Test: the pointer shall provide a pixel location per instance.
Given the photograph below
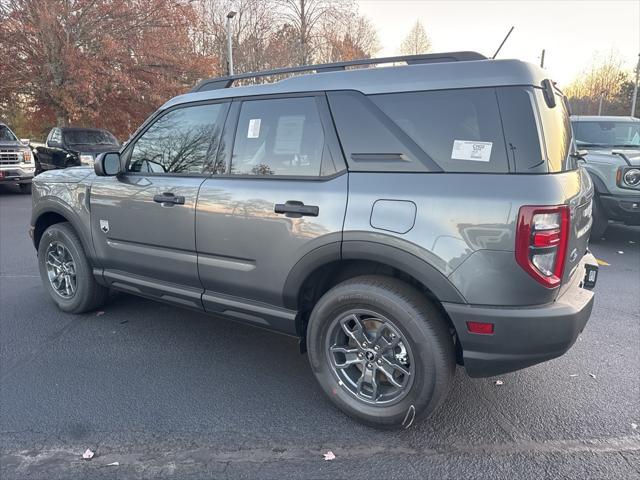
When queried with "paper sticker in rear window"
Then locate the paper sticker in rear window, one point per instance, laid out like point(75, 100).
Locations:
point(254, 128)
point(471, 150)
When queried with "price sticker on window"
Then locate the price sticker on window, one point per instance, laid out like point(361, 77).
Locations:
point(471, 150)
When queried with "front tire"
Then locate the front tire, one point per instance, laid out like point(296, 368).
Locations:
point(600, 220)
point(66, 272)
point(381, 351)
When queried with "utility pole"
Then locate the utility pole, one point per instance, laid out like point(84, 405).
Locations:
point(634, 97)
point(230, 15)
point(600, 105)
point(542, 59)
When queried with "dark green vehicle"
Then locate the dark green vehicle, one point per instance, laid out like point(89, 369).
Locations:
point(397, 220)
point(613, 162)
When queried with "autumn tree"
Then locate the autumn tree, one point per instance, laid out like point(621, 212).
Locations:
point(416, 41)
point(104, 63)
point(604, 79)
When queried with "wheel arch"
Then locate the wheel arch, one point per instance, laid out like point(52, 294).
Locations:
point(325, 267)
point(43, 218)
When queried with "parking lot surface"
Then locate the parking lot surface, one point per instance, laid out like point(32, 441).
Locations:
point(170, 393)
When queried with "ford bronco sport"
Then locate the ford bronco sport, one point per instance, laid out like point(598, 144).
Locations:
point(397, 220)
point(613, 161)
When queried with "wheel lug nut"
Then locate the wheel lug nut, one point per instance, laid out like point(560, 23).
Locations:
point(376, 348)
point(379, 362)
point(369, 365)
point(393, 335)
point(364, 344)
point(360, 355)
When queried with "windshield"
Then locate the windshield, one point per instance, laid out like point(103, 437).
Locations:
point(607, 134)
point(6, 135)
point(89, 137)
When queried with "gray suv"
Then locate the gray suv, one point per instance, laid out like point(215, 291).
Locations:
point(397, 220)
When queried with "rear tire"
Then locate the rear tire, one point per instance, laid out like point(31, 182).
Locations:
point(66, 272)
point(422, 362)
point(600, 220)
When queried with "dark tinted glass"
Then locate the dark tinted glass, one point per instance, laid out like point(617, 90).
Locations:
point(89, 137)
point(6, 135)
point(521, 130)
point(556, 130)
point(182, 141)
point(279, 137)
point(459, 129)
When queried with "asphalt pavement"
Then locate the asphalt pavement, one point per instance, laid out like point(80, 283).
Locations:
point(170, 393)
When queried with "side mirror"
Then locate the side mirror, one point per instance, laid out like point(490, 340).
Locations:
point(579, 155)
point(26, 141)
point(107, 164)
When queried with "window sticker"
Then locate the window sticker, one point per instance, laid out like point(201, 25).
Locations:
point(471, 150)
point(254, 128)
point(289, 134)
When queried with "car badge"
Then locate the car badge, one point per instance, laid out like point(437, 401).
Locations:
point(104, 226)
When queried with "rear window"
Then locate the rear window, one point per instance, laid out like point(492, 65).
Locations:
point(89, 137)
point(459, 129)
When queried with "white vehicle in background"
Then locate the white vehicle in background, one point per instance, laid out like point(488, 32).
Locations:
point(16, 160)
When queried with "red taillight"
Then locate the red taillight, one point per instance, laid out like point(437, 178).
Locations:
point(541, 242)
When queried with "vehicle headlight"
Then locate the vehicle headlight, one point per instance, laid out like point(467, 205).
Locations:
point(631, 177)
point(26, 156)
point(86, 159)
point(20, 156)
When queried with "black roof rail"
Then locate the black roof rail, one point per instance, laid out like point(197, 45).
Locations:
point(226, 82)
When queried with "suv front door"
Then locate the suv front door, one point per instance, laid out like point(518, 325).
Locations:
point(143, 220)
point(282, 197)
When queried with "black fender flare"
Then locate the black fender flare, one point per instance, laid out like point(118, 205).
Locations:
point(53, 205)
point(598, 184)
point(397, 258)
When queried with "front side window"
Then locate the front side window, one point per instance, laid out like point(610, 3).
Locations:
point(183, 141)
point(279, 137)
point(604, 133)
point(56, 136)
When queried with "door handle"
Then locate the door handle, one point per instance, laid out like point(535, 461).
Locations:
point(296, 209)
point(168, 197)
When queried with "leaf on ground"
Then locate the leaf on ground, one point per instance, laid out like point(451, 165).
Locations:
point(499, 382)
point(620, 252)
point(100, 313)
point(329, 455)
point(573, 375)
point(592, 375)
point(113, 464)
point(634, 425)
point(88, 454)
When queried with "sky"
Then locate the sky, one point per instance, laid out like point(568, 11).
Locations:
point(571, 31)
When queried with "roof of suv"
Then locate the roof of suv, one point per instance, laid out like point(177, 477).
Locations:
point(428, 76)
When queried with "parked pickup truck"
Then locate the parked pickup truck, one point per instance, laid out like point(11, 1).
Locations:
point(71, 146)
point(16, 162)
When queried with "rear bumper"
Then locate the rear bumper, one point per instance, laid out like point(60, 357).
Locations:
point(523, 336)
point(624, 208)
point(16, 173)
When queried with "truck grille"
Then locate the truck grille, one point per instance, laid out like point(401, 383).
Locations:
point(8, 157)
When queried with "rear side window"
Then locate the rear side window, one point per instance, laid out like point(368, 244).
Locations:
point(281, 137)
point(459, 129)
point(556, 131)
point(524, 147)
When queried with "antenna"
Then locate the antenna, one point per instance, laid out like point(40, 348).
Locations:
point(500, 47)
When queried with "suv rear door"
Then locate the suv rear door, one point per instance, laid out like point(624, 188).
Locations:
point(143, 221)
point(278, 192)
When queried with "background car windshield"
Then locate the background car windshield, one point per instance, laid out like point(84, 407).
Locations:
point(89, 137)
point(6, 135)
point(607, 134)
